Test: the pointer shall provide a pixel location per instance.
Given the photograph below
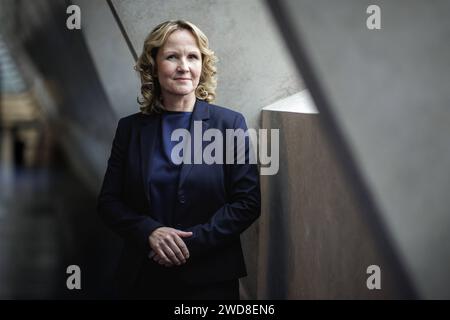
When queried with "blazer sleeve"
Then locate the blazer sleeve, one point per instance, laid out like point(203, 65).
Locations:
point(240, 211)
point(129, 224)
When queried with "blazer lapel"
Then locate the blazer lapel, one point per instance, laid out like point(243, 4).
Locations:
point(200, 113)
point(149, 133)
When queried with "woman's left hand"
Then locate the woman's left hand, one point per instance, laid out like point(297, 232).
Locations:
point(158, 259)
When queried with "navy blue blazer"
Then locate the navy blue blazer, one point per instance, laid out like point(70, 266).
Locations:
point(216, 202)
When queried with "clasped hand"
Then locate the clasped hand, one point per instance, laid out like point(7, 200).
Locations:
point(168, 246)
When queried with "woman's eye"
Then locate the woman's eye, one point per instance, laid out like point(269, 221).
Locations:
point(171, 57)
point(193, 56)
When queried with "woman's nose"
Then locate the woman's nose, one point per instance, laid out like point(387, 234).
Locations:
point(182, 66)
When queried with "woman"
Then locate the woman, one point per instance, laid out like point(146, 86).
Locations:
point(180, 222)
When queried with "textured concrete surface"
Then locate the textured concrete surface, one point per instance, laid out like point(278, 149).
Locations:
point(314, 242)
point(388, 91)
point(112, 59)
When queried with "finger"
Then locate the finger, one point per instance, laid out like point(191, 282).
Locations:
point(176, 250)
point(184, 234)
point(177, 247)
point(160, 261)
point(162, 255)
point(169, 252)
point(182, 246)
point(164, 263)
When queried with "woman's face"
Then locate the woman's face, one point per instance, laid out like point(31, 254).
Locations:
point(179, 64)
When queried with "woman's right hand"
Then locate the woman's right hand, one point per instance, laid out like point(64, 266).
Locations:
point(170, 249)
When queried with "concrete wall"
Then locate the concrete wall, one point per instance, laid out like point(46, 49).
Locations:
point(387, 92)
point(112, 59)
point(314, 241)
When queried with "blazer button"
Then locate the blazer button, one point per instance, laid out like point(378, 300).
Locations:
point(182, 198)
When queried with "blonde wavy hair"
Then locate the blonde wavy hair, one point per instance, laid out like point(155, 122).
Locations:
point(146, 65)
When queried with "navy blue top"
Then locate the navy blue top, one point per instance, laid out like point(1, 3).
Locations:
point(164, 173)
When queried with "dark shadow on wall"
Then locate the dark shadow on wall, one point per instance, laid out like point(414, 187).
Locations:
point(62, 59)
